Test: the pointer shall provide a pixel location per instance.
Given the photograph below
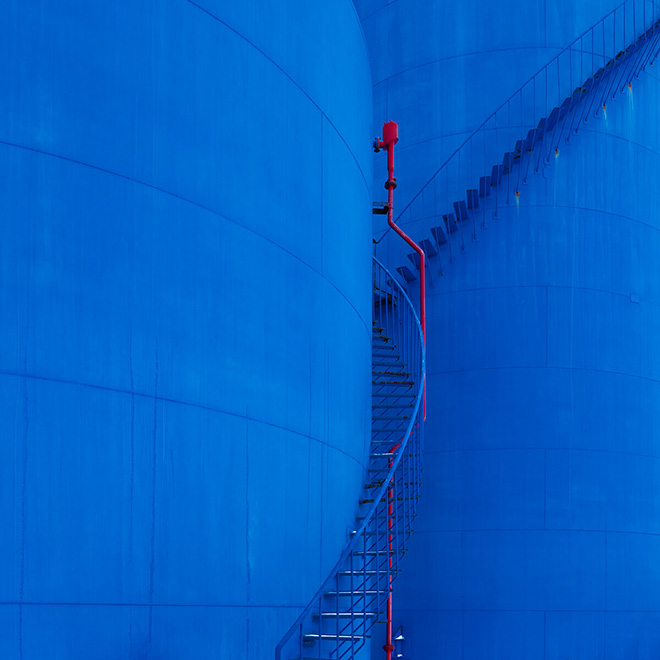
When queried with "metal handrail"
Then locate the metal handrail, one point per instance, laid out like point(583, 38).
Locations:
point(380, 493)
point(553, 85)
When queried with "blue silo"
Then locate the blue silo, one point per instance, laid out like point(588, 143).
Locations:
point(185, 320)
point(539, 527)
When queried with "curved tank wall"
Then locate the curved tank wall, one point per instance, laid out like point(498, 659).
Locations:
point(538, 532)
point(184, 320)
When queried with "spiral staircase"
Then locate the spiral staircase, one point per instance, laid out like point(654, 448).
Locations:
point(337, 622)
point(475, 182)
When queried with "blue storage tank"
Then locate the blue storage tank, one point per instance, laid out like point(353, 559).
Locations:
point(185, 320)
point(539, 527)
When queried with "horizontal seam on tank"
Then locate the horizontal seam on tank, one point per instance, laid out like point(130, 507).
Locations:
point(198, 205)
point(485, 52)
point(515, 128)
point(591, 210)
point(651, 73)
point(551, 286)
point(530, 610)
point(561, 206)
point(180, 402)
point(388, 3)
point(531, 529)
point(186, 605)
point(472, 53)
point(613, 136)
point(547, 368)
point(276, 65)
point(537, 449)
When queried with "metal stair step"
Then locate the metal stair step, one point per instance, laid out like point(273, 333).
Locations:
point(370, 572)
point(392, 405)
point(460, 209)
point(395, 395)
point(484, 186)
point(313, 637)
point(406, 273)
point(387, 500)
point(357, 593)
point(439, 234)
point(373, 553)
point(450, 223)
point(429, 248)
point(345, 614)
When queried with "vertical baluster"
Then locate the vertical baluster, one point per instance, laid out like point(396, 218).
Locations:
point(508, 146)
point(454, 197)
point(554, 131)
point(570, 100)
point(469, 178)
point(608, 71)
point(486, 191)
point(522, 146)
point(351, 589)
point(541, 140)
point(597, 83)
point(642, 55)
point(448, 223)
point(300, 641)
point(593, 52)
point(650, 48)
point(636, 59)
point(376, 562)
point(531, 146)
point(336, 619)
point(497, 171)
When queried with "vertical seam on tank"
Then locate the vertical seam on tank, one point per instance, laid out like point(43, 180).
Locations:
point(21, 583)
point(132, 480)
point(545, 487)
point(547, 326)
point(545, 617)
point(322, 204)
point(152, 540)
point(247, 535)
point(387, 97)
point(323, 463)
point(606, 572)
point(24, 448)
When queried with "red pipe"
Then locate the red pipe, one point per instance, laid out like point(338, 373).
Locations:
point(389, 647)
point(390, 138)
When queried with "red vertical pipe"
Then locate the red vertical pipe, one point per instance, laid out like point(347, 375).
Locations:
point(389, 647)
point(390, 138)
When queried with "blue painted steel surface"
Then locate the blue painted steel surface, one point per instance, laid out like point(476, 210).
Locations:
point(185, 322)
point(538, 531)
